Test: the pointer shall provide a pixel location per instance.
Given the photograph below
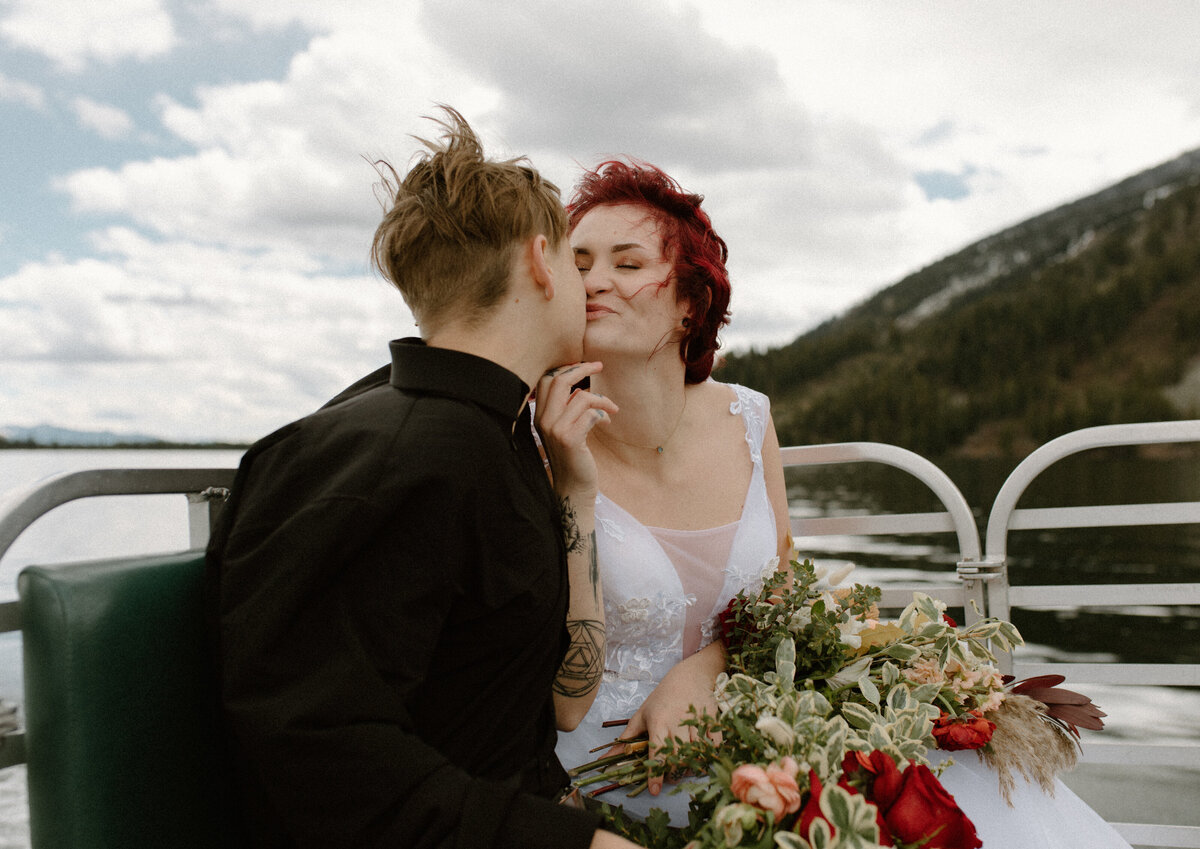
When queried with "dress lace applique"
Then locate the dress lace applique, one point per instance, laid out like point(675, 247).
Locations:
point(751, 580)
point(611, 528)
point(644, 635)
point(755, 417)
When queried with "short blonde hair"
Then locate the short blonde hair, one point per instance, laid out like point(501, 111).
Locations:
point(447, 239)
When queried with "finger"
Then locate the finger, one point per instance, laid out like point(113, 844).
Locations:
point(636, 726)
point(633, 729)
point(585, 410)
point(554, 389)
point(615, 749)
point(654, 783)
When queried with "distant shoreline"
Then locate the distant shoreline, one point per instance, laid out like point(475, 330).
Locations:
point(124, 446)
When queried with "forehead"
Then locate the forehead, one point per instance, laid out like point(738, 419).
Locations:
point(621, 224)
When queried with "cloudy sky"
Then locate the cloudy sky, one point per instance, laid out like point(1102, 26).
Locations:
point(187, 200)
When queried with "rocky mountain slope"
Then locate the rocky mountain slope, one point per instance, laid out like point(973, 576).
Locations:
point(1087, 314)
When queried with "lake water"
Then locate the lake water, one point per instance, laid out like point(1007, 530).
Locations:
point(143, 524)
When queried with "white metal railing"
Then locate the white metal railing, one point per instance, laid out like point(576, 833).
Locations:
point(23, 507)
point(981, 578)
point(969, 585)
point(205, 490)
point(1005, 518)
point(985, 578)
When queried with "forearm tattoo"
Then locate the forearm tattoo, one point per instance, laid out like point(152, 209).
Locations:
point(594, 568)
point(583, 666)
point(570, 527)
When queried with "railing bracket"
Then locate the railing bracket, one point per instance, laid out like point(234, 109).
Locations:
point(979, 570)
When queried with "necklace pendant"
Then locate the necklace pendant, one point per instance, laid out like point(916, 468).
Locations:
point(660, 449)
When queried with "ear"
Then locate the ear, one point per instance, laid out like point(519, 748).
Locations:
point(539, 265)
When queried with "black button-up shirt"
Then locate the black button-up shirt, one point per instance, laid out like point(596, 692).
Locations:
point(392, 591)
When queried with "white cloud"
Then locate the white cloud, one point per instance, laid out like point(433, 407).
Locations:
point(283, 164)
point(72, 33)
point(229, 344)
point(108, 121)
point(626, 77)
point(19, 91)
point(239, 288)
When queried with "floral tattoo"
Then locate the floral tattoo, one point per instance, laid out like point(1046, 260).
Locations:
point(570, 527)
point(576, 544)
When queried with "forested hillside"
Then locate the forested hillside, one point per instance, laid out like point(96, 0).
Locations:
point(1086, 315)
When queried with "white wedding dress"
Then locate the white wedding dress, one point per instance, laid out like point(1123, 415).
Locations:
point(663, 590)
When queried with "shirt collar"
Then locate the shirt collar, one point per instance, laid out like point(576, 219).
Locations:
point(441, 371)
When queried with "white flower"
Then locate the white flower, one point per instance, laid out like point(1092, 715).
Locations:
point(733, 820)
point(800, 620)
point(850, 632)
point(776, 729)
point(850, 674)
point(829, 577)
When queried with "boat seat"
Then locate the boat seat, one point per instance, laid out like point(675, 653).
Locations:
point(120, 702)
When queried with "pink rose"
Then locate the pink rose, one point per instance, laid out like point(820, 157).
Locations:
point(773, 789)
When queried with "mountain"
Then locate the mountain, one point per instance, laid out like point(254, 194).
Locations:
point(49, 435)
point(1087, 314)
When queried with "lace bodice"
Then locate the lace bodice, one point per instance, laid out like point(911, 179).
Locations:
point(650, 617)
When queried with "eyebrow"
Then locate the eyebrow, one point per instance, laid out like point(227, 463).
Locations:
point(616, 249)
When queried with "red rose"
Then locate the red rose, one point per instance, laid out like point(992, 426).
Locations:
point(915, 805)
point(873, 764)
point(812, 808)
point(949, 620)
point(729, 628)
point(968, 731)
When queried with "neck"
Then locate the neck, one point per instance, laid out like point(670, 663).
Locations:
point(495, 340)
point(651, 397)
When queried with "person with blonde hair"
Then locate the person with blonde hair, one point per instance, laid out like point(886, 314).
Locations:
point(402, 601)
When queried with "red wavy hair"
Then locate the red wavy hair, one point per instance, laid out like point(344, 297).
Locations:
point(698, 253)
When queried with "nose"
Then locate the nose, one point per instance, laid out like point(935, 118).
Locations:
point(596, 282)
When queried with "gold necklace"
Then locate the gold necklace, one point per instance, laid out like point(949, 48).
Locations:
point(658, 448)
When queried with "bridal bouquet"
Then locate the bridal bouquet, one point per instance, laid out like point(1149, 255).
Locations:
point(825, 717)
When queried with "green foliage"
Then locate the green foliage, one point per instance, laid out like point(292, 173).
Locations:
point(874, 687)
point(1085, 315)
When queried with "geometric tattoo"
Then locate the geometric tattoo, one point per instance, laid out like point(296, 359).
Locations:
point(583, 665)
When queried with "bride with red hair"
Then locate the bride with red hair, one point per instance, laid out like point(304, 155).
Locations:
point(692, 505)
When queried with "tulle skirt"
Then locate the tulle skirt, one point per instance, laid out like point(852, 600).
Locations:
point(1035, 820)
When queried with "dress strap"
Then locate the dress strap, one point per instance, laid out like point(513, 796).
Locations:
point(754, 408)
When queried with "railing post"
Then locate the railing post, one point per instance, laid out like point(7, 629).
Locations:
point(986, 584)
point(203, 509)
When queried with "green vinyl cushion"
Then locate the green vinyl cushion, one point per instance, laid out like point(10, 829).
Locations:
point(121, 733)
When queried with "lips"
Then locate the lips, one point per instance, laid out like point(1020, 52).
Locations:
point(597, 311)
